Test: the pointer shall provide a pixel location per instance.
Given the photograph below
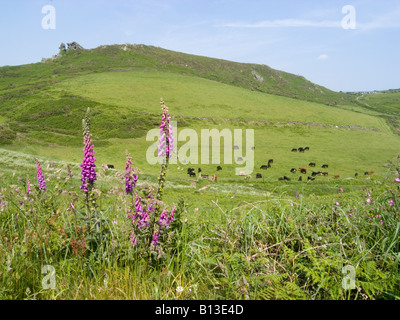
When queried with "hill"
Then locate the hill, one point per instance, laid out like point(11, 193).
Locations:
point(42, 104)
point(140, 57)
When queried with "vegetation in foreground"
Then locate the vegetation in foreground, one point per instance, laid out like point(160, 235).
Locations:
point(64, 238)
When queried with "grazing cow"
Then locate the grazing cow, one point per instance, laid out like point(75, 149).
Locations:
point(110, 166)
point(294, 150)
point(293, 170)
point(258, 175)
point(286, 178)
point(336, 176)
point(310, 179)
point(366, 173)
point(371, 172)
point(324, 166)
point(301, 149)
point(190, 170)
point(306, 148)
point(356, 174)
point(314, 173)
point(300, 178)
point(303, 170)
point(325, 173)
point(219, 168)
point(214, 177)
point(191, 174)
point(312, 164)
point(280, 179)
point(264, 167)
point(199, 170)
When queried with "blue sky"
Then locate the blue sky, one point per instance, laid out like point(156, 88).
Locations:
point(297, 36)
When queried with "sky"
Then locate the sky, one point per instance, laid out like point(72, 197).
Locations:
point(351, 45)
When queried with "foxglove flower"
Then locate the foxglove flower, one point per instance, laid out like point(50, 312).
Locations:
point(88, 166)
point(166, 141)
point(154, 241)
point(130, 176)
point(40, 176)
point(28, 187)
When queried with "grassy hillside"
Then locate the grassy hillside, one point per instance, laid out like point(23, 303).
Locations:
point(139, 57)
point(41, 107)
point(386, 104)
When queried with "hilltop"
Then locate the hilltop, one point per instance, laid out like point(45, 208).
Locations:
point(129, 57)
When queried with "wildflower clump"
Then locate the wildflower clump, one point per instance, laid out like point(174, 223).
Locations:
point(130, 176)
point(88, 166)
point(40, 176)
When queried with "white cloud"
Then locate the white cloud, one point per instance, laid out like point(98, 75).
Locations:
point(323, 57)
point(284, 23)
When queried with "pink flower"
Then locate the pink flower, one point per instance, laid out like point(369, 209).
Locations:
point(40, 176)
point(340, 189)
point(369, 200)
point(391, 202)
point(337, 203)
point(397, 180)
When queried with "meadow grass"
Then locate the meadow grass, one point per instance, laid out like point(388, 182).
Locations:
point(232, 245)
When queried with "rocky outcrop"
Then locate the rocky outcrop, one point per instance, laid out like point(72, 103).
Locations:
point(257, 76)
point(74, 46)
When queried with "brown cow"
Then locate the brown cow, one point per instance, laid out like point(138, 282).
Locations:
point(336, 176)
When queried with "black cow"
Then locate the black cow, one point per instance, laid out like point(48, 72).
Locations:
point(286, 178)
point(314, 173)
point(293, 170)
point(300, 178)
point(303, 170)
point(309, 178)
point(110, 166)
point(356, 174)
point(366, 173)
point(294, 150)
point(312, 164)
point(191, 173)
point(306, 148)
point(301, 149)
point(258, 175)
point(324, 166)
point(264, 166)
point(280, 179)
point(270, 161)
point(219, 168)
point(199, 170)
point(189, 170)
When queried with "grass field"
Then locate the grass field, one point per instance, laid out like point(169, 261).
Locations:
point(239, 237)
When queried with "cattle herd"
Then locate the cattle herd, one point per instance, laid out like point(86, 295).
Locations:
point(311, 174)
